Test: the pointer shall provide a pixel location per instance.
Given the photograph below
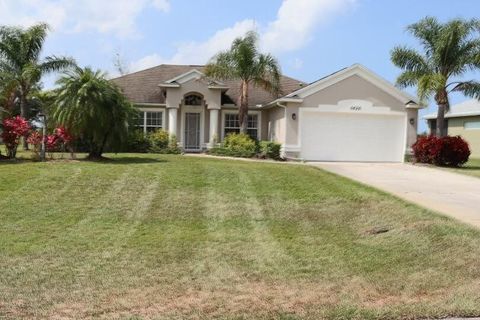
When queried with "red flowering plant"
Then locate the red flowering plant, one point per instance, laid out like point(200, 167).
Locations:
point(35, 139)
point(60, 140)
point(12, 130)
point(443, 151)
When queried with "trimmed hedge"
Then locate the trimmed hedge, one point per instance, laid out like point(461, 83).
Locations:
point(243, 146)
point(441, 151)
point(270, 150)
point(158, 141)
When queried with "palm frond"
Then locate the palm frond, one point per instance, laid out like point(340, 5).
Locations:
point(409, 60)
point(221, 66)
point(429, 85)
point(468, 88)
point(34, 38)
point(54, 63)
point(267, 74)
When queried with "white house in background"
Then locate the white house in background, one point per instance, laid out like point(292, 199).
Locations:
point(350, 115)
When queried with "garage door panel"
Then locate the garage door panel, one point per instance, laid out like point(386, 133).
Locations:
point(352, 137)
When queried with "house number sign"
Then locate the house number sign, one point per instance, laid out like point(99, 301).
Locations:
point(355, 108)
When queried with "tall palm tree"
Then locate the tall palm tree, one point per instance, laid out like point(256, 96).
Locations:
point(20, 57)
point(245, 63)
point(92, 108)
point(449, 50)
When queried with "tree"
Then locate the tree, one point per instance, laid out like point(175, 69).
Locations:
point(92, 108)
point(120, 65)
point(20, 59)
point(449, 51)
point(244, 62)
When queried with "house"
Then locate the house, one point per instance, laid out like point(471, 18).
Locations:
point(461, 120)
point(350, 115)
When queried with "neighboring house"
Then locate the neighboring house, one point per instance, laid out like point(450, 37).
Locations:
point(461, 120)
point(350, 115)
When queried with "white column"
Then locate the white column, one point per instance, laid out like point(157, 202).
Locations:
point(213, 127)
point(172, 121)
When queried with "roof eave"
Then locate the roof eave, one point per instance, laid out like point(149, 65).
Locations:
point(282, 100)
point(169, 85)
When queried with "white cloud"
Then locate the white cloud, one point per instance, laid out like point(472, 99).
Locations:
point(296, 21)
point(162, 5)
point(106, 16)
point(297, 64)
point(146, 62)
point(197, 52)
point(292, 29)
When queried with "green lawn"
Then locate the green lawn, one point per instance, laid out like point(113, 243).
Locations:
point(161, 237)
point(472, 168)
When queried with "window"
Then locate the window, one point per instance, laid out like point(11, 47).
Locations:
point(471, 125)
point(232, 125)
point(150, 120)
point(193, 100)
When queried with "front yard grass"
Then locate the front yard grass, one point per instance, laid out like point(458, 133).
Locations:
point(472, 168)
point(147, 236)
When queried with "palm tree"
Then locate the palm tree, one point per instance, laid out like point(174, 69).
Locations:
point(92, 108)
point(20, 51)
point(244, 62)
point(449, 51)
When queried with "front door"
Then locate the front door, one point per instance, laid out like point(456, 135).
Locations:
point(192, 131)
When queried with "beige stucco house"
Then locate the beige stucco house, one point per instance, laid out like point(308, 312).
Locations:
point(462, 120)
point(351, 115)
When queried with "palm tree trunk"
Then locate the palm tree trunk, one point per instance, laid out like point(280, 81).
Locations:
point(243, 110)
point(24, 114)
point(441, 129)
point(441, 98)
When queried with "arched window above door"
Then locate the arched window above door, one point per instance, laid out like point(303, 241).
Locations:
point(193, 100)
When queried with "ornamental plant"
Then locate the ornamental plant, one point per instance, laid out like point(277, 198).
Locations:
point(35, 139)
point(441, 151)
point(13, 130)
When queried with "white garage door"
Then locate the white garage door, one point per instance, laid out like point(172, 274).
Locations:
point(353, 137)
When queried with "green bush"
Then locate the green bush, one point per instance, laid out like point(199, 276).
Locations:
point(161, 142)
point(270, 150)
point(173, 145)
point(236, 145)
point(137, 142)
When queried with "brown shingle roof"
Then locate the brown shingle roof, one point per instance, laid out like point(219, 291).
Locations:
point(142, 86)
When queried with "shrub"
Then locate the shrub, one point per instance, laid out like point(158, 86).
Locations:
point(137, 142)
point(35, 139)
point(173, 145)
point(270, 150)
point(238, 145)
point(12, 130)
point(443, 151)
point(159, 140)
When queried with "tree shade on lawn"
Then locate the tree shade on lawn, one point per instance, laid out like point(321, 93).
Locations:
point(94, 109)
point(21, 63)
point(244, 62)
point(175, 237)
point(449, 50)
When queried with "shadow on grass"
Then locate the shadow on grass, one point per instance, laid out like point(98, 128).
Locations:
point(468, 168)
point(114, 160)
point(126, 160)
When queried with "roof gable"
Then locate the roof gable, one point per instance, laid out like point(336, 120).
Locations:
point(343, 74)
point(146, 86)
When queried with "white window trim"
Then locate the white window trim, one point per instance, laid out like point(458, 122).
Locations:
point(465, 125)
point(145, 110)
point(259, 122)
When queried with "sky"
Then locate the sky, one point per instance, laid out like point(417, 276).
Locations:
point(310, 38)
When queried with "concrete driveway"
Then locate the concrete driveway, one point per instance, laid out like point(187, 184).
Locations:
point(449, 193)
